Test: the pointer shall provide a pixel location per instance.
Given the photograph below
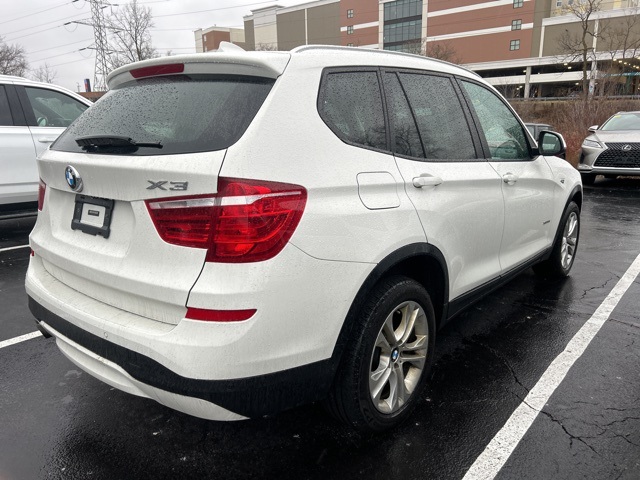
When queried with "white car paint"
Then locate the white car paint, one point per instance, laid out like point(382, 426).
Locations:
point(20, 145)
point(133, 289)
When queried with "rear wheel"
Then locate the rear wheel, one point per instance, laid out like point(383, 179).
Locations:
point(389, 357)
point(564, 251)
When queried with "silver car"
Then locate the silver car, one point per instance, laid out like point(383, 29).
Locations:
point(612, 149)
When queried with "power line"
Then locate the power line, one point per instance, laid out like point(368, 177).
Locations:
point(35, 13)
point(45, 23)
point(59, 46)
point(212, 9)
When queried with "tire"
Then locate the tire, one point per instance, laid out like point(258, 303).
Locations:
point(564, 251)
point(588, 178)
point(389, 357)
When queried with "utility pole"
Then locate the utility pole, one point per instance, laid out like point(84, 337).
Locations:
point(101, 68)
point(100, 38)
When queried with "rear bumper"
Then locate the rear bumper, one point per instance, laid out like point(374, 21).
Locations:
point(140, 375)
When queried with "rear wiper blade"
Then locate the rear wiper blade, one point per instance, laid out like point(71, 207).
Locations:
point(112, 141)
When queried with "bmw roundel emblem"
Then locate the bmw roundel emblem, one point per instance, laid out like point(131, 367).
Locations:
point(73, 178)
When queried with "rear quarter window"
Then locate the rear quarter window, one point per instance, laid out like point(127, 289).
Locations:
point(185, 114)
point(350, 104)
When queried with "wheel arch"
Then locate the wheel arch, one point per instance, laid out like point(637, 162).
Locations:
point(419, 261)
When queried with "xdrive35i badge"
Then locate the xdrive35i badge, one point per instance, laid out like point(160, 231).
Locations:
point(74, 180)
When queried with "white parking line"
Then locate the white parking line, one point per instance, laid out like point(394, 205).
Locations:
point(13, 248)
point(21, 338)
point(489, 463)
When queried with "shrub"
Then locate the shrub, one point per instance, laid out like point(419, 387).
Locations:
point(572, 118)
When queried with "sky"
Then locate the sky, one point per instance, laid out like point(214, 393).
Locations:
point(39, 27)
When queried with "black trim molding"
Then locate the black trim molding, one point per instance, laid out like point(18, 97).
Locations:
point(251, 397)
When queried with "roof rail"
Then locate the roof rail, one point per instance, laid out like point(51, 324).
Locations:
point(307, 48)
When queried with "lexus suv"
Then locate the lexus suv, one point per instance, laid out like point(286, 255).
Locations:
point(236, 233)
point(612, 149)
point(32, 115)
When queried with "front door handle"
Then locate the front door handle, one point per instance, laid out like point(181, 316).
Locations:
point(426, 180)
point(509, 178)
point(47, 139)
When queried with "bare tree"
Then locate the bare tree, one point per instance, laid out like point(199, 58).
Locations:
point(44, 73)
point(13, 60)
point(131, 37)
point(580, 45)
point(442, 51)
point(438, 50)
point(622, 43)
point(266, 47)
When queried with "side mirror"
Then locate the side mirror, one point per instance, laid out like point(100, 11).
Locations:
point(552, 144)
point(593, 128)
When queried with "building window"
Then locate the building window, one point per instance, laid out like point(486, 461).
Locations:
point(349, 44)
point(402, 9)
point(558, 3)
point(514, 45)
point(350, 13)
point(516, 25)
point(349, 29)
point(518, 3)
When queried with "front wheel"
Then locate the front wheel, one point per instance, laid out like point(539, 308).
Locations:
point(564, 250)
point(389, 357)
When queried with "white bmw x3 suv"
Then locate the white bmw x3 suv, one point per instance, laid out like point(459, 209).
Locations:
point(236, 233)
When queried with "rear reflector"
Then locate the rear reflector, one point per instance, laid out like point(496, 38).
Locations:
point(42, 188)
point(157, 70)
point(219, 315)
point(246, 221)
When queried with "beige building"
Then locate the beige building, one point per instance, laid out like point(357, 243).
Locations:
point(210, 38)
point(515, 44)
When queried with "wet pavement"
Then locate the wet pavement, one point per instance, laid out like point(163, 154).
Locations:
point(57, 422)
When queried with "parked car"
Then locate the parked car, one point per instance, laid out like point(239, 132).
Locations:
point(32, 115)
point(237, 233)
point(536, 128)
point(612, 149)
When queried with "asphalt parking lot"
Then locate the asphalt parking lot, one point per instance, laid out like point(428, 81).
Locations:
point(57, 422)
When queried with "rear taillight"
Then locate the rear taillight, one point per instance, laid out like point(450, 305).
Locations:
point(42, 188)
point(246, 221)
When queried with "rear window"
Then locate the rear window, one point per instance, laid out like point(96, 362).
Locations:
point(185, 114)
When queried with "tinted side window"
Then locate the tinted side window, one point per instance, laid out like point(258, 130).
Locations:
point(405, 139)
point(5, 113)
point(504, 134)
point(438, 112)
point(351, 105)
point(53, 109)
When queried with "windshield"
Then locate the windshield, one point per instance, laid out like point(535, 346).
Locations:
point(622, 121)
point(184, 114)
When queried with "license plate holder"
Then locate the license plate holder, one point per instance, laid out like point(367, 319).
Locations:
point(92, 215)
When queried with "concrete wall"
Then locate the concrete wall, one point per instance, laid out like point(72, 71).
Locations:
point(323, 25)
point(249, 37)
point(291, 30)
point(554, 33)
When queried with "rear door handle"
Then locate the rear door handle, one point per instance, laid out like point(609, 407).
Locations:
point(47, 139)
point(509, 178)
point(426, 180)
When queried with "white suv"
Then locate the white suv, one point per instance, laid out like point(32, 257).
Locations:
point(236, 233)
point(32, 115)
